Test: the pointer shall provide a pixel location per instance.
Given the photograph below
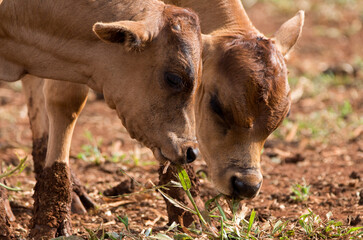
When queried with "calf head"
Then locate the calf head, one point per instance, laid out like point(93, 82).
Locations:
point(244, 96)
point(158, 71)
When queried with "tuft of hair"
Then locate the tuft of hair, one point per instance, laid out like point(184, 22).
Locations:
point(174, 14)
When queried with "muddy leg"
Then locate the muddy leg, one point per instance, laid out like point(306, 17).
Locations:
point(178, 193)
point(5, 231)
point(6, 215)
point(52, 203)
point(38, 118)
point(52, 198)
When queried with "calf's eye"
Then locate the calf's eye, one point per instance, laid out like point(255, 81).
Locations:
point(174, 80)
point(216, 106)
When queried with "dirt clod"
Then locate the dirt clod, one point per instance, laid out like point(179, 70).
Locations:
point(361, 198)
point(354, 221)
point(126, 186)
point(295, 159)
point(355, 175)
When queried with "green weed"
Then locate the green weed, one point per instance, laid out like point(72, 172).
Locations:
point(338, 120)
point(300, 193)
point(315, 228)
point(125, 221)
point(91, 152)
point(13, 170)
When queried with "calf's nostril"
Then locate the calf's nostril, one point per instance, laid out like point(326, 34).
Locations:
point(243, 189)
point(192, 154)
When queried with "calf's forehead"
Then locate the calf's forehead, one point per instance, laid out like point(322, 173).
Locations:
point(253, 68)
point(253, 81)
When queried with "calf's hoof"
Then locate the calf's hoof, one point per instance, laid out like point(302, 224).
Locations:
point(81, 202)
point(45, 232)
point(42, 232)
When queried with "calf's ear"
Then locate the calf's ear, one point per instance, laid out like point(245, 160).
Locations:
point(132, 34)
point(289, 33)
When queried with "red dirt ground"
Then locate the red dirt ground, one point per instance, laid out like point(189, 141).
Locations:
point(332, 164)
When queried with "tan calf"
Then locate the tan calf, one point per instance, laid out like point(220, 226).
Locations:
point(143, 55)
point(244, 94)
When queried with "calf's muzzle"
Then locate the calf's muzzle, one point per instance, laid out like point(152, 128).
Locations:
point(246, 183)
point(186, 153)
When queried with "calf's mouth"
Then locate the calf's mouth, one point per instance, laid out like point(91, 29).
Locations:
point(158, 154)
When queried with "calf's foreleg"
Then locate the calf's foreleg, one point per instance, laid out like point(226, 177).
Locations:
point(39, 123)
point(38, 119)
point(52, 197)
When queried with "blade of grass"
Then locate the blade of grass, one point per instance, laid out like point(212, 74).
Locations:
point(222, 228)
point(176, 203)
point(185, 181)
point(161, 236)
point(184, 178)
point(10, 188)
point(353, 229)
point(92, 235)
point(20, 166)
point(220, 209)
point(250, 223)
point(210, 201)
point(125, 221)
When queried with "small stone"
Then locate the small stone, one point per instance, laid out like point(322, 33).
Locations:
point(361, 198)
point(354, 221)
point(354, 175)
